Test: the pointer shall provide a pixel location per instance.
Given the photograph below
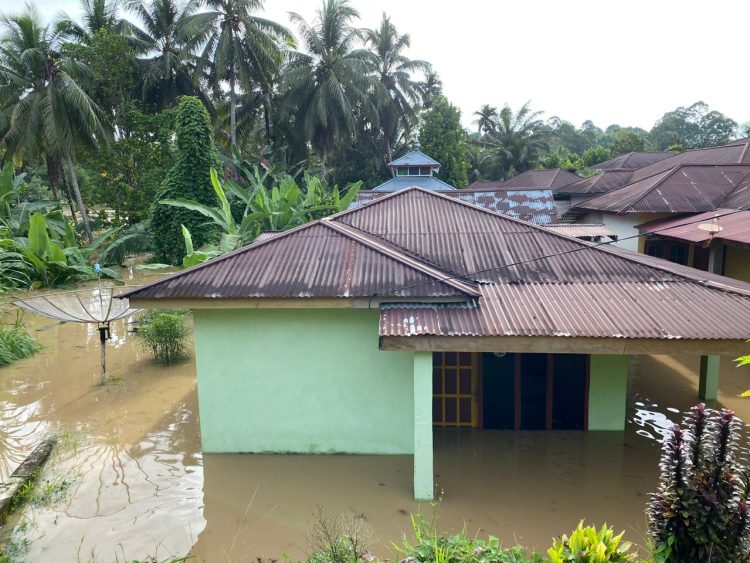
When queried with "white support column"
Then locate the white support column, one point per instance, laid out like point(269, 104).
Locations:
point(424, 488)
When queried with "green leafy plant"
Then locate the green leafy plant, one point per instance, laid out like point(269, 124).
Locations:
point(165, 334)
point(589, 545)
point(16, 343)
point(430, 545)
point(700, 510)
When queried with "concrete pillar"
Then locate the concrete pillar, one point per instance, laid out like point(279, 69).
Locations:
point(608, 391)
point(424, 488)
point(708, 386)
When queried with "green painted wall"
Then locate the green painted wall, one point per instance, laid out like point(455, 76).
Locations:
point(294, 380)
point(708, 382)
point(608, 391)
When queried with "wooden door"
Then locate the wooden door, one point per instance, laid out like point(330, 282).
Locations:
point(454, 389)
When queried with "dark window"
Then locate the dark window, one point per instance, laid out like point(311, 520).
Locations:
point(672, 250)
point(401, 171)
point(499, 390)
point(414, 171)
point(425, 171)
point(533, 391)
point(569, 391)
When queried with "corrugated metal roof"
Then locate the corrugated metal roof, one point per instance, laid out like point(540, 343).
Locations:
point(317, 260)
point(415, 158)
point(631, 161)
point(537, 206)
point(582, 229)
point(416, 245)
point(402, 182)
point(599, 183)
point(736, 152)
point(735, 226)
point(551, 179)
point(663, 310)
point(687, 188)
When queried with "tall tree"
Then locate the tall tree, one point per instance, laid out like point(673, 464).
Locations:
point(515, 141)
point(328, 85)
point(431, 87)
point(394, 70)
point(97, 15)
point(44, 108)
point(189, 178)
point(169, 37)
point(692, 127)
point(444, 139)
point(242, 47)
point(485, 118)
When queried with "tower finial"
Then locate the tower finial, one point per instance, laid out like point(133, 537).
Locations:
point(416, 145)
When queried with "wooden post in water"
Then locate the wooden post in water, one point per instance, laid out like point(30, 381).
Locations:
point(103, 337)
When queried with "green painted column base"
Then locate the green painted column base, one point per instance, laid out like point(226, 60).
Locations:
point(608, 391)
point(708, 384)
point(424, 486)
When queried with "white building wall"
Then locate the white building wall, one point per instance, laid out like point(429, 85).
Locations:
point(622, 225)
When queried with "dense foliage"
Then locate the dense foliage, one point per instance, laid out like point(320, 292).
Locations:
point(189, 177)
point(164, 334)
point(15, 343)
point(443, 139)
point(700, 510)
point(589, 545)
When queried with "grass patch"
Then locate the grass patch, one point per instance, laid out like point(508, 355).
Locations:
point(15, 343)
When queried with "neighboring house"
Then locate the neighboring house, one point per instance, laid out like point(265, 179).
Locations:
point(694, 181)
point(717, 241)
point(416, 169)
point(360, 332)
point(684, 188)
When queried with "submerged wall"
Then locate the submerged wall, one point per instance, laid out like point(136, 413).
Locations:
point(294, 380)
point(737, 263)
point(608, 391)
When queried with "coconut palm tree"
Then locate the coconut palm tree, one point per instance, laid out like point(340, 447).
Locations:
point(327, 86)
point(431, 87)
point(242, 47)
point(98, 15)
point(486, 117)
point(43, 107)
point(394, 70)
point(169, 37)
point(515, 141)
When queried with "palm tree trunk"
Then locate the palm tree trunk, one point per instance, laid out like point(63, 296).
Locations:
point(79, 199)
point(267, 118)
point(388, 148)
point(53, 173)
point(232, 108)
point(66, 191)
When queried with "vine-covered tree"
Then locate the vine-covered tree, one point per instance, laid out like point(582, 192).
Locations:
point(189, 178)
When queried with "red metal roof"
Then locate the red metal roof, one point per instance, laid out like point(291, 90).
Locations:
point(686, 188)
point(735, 226)
point(505, 276)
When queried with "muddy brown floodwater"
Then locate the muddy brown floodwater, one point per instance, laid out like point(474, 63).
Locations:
point(141, 486)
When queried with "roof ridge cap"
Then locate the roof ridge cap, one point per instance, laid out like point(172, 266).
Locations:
point(365, 238)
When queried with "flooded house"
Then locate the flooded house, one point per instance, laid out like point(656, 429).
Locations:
point(362, 332)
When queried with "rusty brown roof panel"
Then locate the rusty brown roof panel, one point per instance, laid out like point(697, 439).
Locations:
point(688, 188)
point(599, 183)
point(314, 261)
point(535, 205)
point(734, 225)
point(550, 179)
point(464, 238)
point(664, 310)
point(631, 160)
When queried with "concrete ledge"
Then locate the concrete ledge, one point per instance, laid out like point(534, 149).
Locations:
point(22, 475)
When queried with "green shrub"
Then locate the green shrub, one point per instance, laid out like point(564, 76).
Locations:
point(165, 334)
point(15, 343)
point(587, 545)
point(431, 546)
point(700, 510)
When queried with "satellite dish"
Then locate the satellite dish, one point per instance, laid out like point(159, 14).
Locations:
point(712, 228)
point(92, 306)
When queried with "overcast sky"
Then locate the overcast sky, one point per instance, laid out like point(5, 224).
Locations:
point(625, 61)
